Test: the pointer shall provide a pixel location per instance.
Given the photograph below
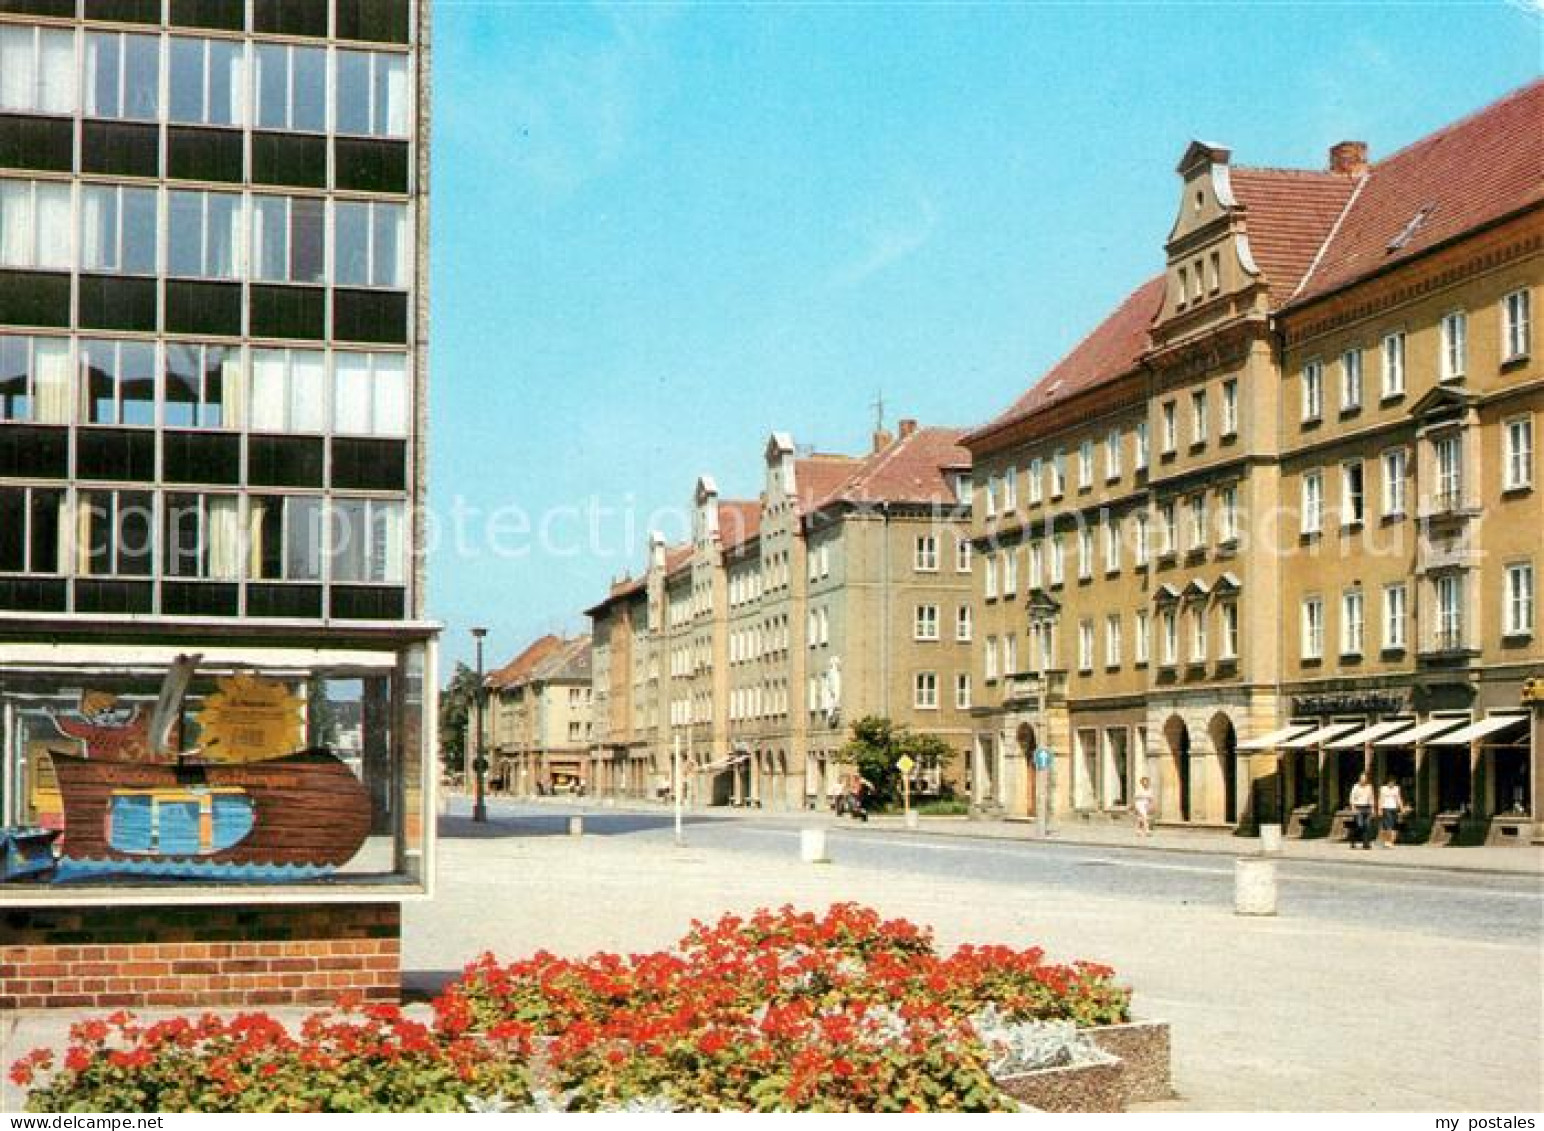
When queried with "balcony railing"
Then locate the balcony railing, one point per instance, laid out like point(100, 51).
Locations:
point(1449, 638)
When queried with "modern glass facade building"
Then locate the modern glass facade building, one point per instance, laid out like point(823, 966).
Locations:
point(212, 397)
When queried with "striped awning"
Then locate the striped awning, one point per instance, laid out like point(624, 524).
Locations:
point(1423, 732)
point(1378, 730)
point(1276, 737)
point(1319, 736)
point(1495, 724)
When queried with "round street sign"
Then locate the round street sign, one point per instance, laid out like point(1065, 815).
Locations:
point(905, 764)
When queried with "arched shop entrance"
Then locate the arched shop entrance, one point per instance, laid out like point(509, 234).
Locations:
point(1225, 745)
point(1178, 736)
point(1025, 737)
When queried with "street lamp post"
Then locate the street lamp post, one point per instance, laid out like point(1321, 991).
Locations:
point(480, 763)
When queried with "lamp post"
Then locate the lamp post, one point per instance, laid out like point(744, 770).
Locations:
point(480, 763)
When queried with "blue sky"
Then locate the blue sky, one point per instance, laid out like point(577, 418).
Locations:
point(661, 231)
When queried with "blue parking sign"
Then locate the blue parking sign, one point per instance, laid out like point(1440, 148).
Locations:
point(1044, 758)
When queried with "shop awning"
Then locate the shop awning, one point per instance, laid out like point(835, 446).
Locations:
point(1422, 733)
point(1378, 730)
point(1319, 736)
point(1276, 737)
point(1485, 727)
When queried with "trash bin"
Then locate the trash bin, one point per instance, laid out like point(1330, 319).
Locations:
point(812, 846)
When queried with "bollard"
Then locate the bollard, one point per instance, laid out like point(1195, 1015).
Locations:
point(576, 826)
point(911, 818)
point(1254, 886)
point(1270, 840)
point(812, 846)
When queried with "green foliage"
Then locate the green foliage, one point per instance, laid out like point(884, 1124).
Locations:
point(875, 748)
point(456, 703)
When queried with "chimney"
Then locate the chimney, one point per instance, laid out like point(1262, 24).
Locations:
point(1348, 157)
point(882, 439)
point(908, 428)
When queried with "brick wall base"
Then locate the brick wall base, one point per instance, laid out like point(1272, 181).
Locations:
point(84, 957)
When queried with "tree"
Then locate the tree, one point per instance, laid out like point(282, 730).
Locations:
point(456, 704)
point(877, 744)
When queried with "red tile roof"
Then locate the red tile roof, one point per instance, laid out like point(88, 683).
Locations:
point(817, 477)
point(1111, 349)
point(677, 556)
point(570, 662)
point(1477, 170)
point(739, 521)
point(916, 468)
point(1288, 215)
point(522, 665)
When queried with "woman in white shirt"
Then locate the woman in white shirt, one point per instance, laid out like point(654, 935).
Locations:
point(1391, 803)
point(1362, 796)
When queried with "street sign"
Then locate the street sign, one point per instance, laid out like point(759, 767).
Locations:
point(1044, 759)
point(905, 764)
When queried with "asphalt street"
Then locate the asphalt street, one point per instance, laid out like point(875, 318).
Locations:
point(1495, 908)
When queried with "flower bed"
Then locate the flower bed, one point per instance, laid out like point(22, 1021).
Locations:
point(776, 1011)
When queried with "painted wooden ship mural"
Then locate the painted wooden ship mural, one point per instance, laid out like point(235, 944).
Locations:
point(247, 795)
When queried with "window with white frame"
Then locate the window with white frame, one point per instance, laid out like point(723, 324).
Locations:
point(1085, 465)
point(989, 496)
point(35, 384)
point(201, 536)
point(1036, 566)
point(1139, 460)
point(291, 87)
point(289, 239)
point(1352, 494)
point(989, 577)
point(35, 219)
point(33, 530)
point(1170, 427)
point(1010, 578)
point(203, 234)
point(1199, 424)
point(1227, 613)
point(1112, 641)
point(1516, 325)
point(1142, 538)
point(1450, 478)
point(1518, 618)
point(989, 658)
point(371, 94)
point(962, 691)
point(927, 622)
point(927, 553)
point(1313, 628)
point(1141, 632)
point(118, 229)
point(1058, 474)
point(1168, 529)
point(1058, 559)
point(123, 76)
point(1112, 546)
point(1010, 654)
point(1169, 621)
point(1450, 611)
point(1313, 502)
point(962, 556)
point(1351, 380)
point(116, 533)
point(1352, 622)
point(206, 84)
point(1045, 646)
point(1454, 329)
point(962, 623)
point(1085, 645)
point(37, 70)
point(369, 394)
point(1394, 364)
point(1198, 634)
point(1313, 391)
point(1230, 407)
point(118, 382)
point(1395, 612)
point(1396, 467)
point(1228, 531)
point(370, 244)
point(1085, 553)
point(1198, 531)
point(1517, 453)
point(202, 386)
point(1112, 460)
point(1011, 489)
point(288, 391)
point(1036, 483)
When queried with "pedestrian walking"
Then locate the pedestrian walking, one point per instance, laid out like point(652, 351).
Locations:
point(1391, 807)
point(1143, 805)
point(1362, 797)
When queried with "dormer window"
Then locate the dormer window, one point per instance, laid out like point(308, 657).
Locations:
point(1200, 199)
